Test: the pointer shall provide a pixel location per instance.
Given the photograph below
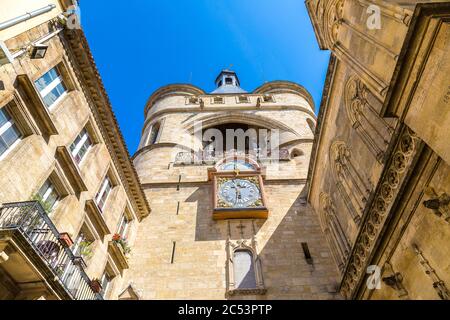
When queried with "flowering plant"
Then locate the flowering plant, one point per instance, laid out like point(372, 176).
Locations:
point(118, 239)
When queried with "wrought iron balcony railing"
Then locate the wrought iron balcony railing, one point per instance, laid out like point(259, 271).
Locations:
point(31, 220)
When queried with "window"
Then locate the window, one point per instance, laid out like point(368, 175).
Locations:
point(124, 225)
point(218, 100)
point(193, 100)
point(83, 245)
point(49, 196)
point(244, 270)
point(103, 194)
point(105, 282)
point(9, 133)
point(51, 87)
point(243, 99)
point(154, 133)
point(228, 81)
point(268, 98)
point(80, 147)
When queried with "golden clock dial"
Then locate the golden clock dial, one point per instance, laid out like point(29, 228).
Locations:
point(239, 193)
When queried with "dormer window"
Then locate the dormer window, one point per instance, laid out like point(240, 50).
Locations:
point(193, 100)
point(268, 98)
point(218, 100)
point(243, 99)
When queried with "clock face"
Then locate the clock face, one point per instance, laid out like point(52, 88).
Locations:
point(239, 193)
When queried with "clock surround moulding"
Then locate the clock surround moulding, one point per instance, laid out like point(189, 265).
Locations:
point(223, 210)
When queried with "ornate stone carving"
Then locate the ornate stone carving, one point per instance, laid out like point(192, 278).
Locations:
point(379, 209)
point(251, 246)
point(373, 130)
point(332, 20)
point(339, 243)
point(353, 189)
point(184, 158)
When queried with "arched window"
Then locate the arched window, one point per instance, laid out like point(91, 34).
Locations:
point(244, 270)
point(154, 133)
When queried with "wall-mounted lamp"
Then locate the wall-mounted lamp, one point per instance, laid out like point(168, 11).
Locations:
point(38, 51)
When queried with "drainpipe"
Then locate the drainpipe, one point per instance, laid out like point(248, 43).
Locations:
point(25, 17)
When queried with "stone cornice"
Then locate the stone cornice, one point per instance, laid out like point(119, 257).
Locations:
point(104, 116)
point(176, 89)
point(233, 108)
point(272, 87)
point(392, 181)
point(279, 86)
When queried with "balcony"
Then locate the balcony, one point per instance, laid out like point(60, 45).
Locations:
point(35, 261)
point(210, 158)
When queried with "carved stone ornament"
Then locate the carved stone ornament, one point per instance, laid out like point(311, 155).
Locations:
point(385, 195)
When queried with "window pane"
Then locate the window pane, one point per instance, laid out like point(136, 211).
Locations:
point(52, 199)
point(80, 146)
point(123, 228)
point(3, 147)
point(44, 189)
point(46, 79)
point(244, 271)
point(53, 95)
point(48, 194)
point(103, 193)
point(105, 282)
point(11, 135)
point(4, 117)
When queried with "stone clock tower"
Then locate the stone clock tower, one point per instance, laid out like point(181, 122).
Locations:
point(224, 173)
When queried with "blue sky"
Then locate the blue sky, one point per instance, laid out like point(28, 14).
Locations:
point(141, 45)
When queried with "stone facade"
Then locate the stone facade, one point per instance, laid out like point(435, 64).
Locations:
point(43, 154)
point(180, 251)
point(380, 139)
point(354, 204)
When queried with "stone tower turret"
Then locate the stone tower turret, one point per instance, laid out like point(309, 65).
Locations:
point(229, 220)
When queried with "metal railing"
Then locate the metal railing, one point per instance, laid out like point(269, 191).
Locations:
point(31, 220)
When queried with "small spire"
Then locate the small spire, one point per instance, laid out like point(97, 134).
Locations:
point(228, 82)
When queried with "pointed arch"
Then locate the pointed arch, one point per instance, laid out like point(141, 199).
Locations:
point(374, 131)
point(336, 237)
point(353, 189)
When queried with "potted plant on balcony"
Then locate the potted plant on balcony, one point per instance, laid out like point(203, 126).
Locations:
point(65, 238)
point(122, 243)
point(85, 249)
point(44, 204)
point(96, 285)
